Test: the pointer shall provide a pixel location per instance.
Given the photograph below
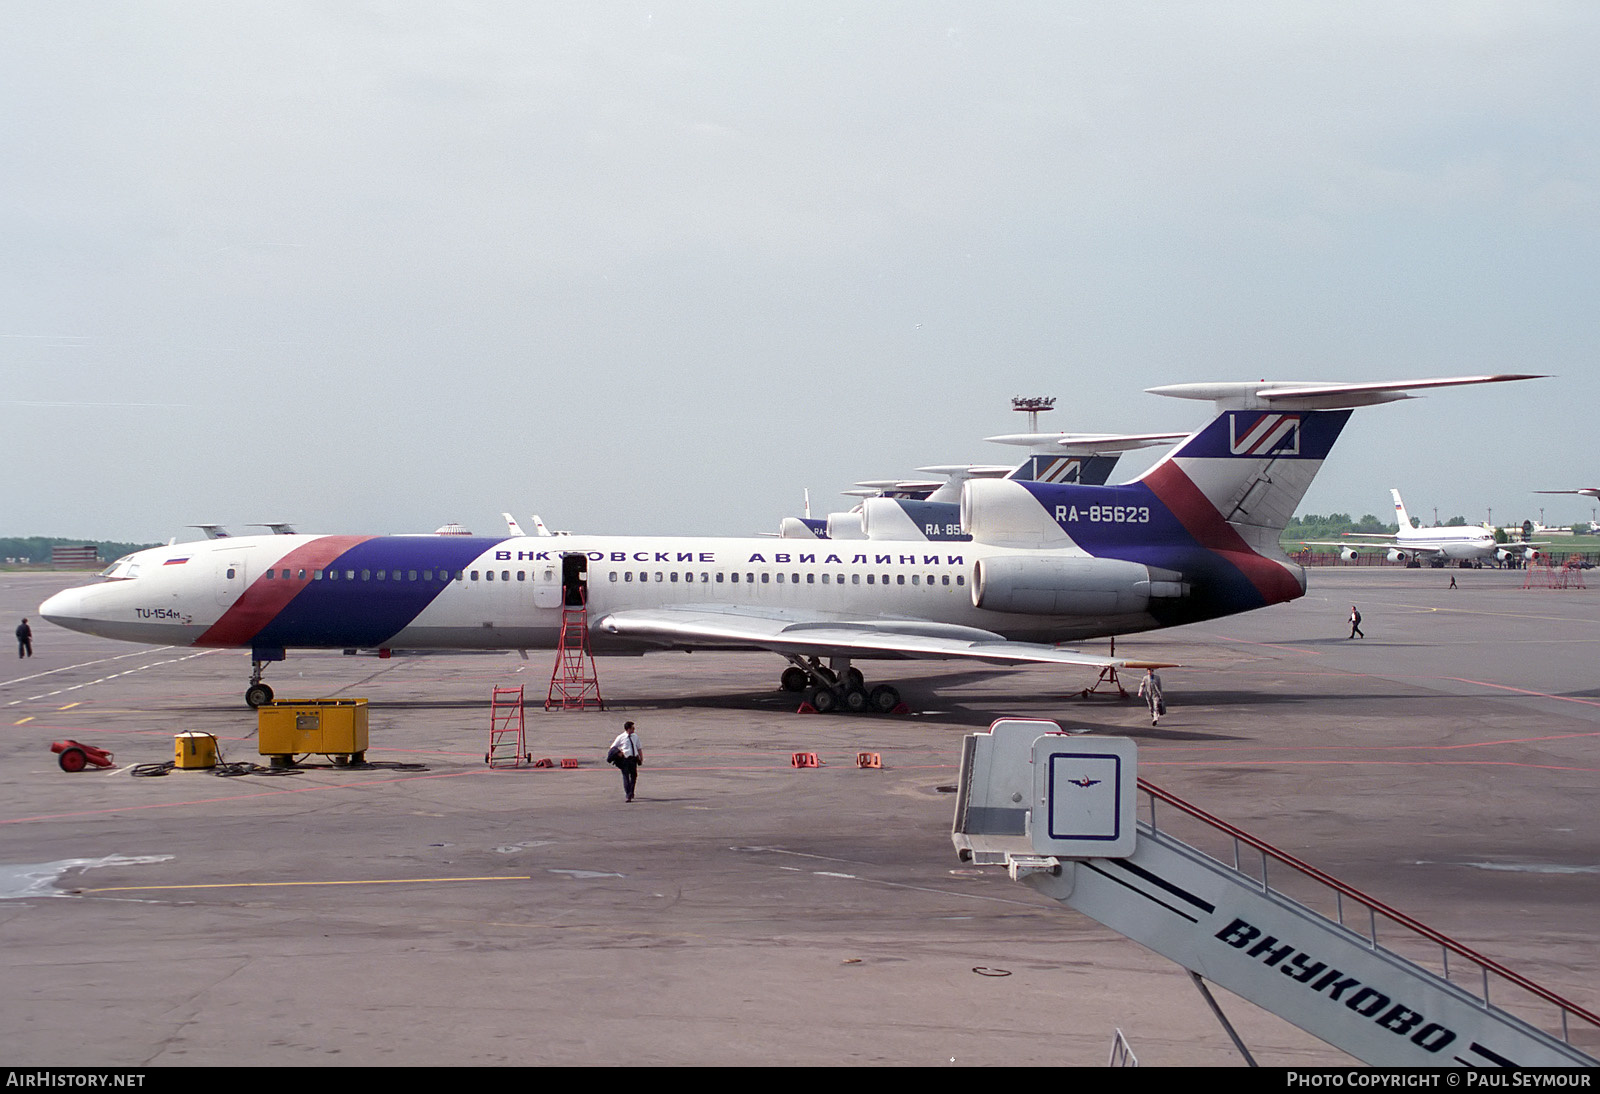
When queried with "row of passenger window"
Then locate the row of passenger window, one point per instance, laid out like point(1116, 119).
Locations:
point(364, 575)
point(794, 579)
point(705, 577)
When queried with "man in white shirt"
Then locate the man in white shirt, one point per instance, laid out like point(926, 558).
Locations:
point(629, 757)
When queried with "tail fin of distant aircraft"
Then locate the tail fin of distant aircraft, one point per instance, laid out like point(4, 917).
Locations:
point(1090, 470)
point(1400, 515)
point(511, 524)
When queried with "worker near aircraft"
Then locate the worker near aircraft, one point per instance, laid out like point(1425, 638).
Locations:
point(1150, 692)
point(627, 755)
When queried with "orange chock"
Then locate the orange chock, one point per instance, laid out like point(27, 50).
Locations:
point(805, 759)
point(868, 759)
point(568, 763)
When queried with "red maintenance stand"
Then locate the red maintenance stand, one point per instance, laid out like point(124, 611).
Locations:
point(508, 745)
point(574, 684)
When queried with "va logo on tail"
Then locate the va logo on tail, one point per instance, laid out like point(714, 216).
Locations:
point(1264, 434)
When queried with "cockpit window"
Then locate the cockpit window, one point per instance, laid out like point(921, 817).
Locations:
point(121, 570)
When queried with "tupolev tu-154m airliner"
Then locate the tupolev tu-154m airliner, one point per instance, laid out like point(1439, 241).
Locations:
point(1195, 537)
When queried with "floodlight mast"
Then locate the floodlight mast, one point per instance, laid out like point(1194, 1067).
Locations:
point(1033, 406)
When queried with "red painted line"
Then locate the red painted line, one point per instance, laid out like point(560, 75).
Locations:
point(1366, 763)
point(1266, 645)
point(1521, 691)
point(233, 797)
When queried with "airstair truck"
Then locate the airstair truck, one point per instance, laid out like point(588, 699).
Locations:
point(1060, 813)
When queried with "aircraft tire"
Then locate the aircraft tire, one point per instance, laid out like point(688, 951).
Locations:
point(823, 700)
point(854, 679)
point(884, 699)
point(794, 679)
point(257, 695)
point(856, 700)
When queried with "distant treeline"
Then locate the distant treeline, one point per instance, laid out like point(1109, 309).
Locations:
point(1330, 527)
point(36, 549)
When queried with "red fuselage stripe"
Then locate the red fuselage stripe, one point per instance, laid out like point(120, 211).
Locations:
point(1201, 520)
point(265, 598)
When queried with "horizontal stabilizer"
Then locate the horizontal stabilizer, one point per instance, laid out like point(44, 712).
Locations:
point(1301, 395)
point(1087, 444)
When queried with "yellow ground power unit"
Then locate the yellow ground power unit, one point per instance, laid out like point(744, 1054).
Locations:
point(194, 751)
point(336, 728)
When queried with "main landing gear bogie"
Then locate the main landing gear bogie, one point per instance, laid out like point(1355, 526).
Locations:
point(837, 688)
point(882, 699)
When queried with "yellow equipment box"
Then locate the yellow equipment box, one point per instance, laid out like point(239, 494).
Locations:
point(330, 727)
point(194, 751)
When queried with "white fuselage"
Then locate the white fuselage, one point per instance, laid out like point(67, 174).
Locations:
point(433, 592)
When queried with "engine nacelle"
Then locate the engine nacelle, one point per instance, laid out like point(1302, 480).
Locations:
point(1001, 512)
point(885, 518)
point(1069, 585)
point(1396, 555)
point(795, 528)
point(1349, 554)
point(905, 518)
point(845, 526)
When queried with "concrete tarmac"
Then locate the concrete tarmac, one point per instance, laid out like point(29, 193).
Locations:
point(742, 911)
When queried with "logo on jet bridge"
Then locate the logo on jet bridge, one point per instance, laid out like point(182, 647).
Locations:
point(1363, 999)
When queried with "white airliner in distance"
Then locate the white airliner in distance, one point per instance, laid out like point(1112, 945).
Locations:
point(1440, 544)
point(1193, 538)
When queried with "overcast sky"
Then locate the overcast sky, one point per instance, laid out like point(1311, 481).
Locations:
point(371, 267)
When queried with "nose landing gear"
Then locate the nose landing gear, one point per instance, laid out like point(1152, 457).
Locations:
point(257, 694)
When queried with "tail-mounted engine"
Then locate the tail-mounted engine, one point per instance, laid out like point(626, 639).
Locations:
point(1070, 585)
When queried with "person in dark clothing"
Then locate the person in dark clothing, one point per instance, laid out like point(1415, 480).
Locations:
point(1355, 622)
point(24, 639)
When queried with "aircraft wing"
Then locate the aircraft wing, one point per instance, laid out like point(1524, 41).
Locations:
point(709, 626)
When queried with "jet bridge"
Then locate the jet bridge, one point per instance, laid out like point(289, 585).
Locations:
point(1069, 816)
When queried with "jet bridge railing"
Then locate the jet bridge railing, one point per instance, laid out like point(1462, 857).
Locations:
point(1280, 874)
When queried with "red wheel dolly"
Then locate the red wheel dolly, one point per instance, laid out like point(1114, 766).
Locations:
point(75, 755)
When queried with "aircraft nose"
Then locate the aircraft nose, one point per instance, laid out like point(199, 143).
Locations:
point(64, 609)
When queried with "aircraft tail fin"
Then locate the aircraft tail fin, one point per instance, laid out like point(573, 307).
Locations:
point(1255, 460)
point(1401, 517)
point(1251, 467)
point(1091, 470)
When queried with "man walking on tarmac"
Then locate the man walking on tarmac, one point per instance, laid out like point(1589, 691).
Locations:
point(627, 755)
point(1150, 692)
point(1355, 623)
